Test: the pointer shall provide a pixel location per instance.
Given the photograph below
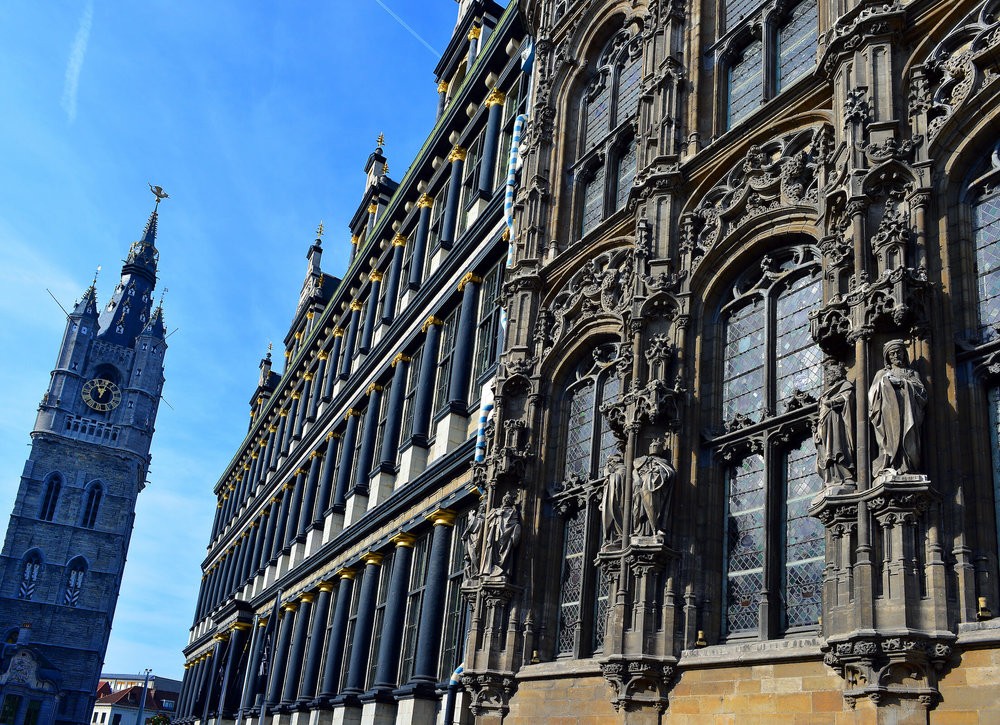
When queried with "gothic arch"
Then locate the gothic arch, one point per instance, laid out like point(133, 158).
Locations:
point(91, 502)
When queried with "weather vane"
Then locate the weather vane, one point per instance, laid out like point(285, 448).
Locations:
point(159, 193)
point(381, 140)
point(319, 230)
point(96, 272)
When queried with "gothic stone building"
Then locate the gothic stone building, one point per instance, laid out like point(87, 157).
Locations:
point(64, 553)
point(741, 459)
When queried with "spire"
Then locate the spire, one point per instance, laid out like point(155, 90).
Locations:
point(265, 369)
point(87, 306)
point(129, 312)
point(157, 326)
point(312, 286)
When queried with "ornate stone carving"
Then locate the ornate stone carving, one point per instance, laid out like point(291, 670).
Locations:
point(490, 692)
point(896, 401)
point(501, 536)
point(653, 488)
point(602, 286)
point(834, 435)
point(639, 681)
point(612, 513)
point(472, 540)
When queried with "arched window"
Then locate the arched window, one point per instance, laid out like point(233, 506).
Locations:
point(31, 569)
point(93, 495)
point(986, 233)
point(607, 164)
point(51, 497)
point(766, 52)
point(585, 443)
point(774, 552)
point(76, 570)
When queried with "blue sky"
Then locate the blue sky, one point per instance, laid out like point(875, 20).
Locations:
point(257, 119)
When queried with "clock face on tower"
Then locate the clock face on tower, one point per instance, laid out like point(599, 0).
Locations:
point(101, 394)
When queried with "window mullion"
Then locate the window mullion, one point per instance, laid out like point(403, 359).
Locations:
point(772, 527)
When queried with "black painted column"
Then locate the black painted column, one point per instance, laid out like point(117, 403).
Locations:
point(424, 401)
point(265, 463)
point(473, 38)
point(210, 680)
point(465, 344)
point(448, 224)
point(282, 524)
point(338, 635)
point(346, 451)
point(392, 284)
point(368, 331)
point(272, 525)
point(424, 203)
point(307, 691)
point(315, 382)
point(332, 372)
point(363, 466)
point(276, 439)
point(425, 664)
point(358, 666)
point(259, 463)
point(249, 698)
point(372, 211)
point(347, 352)
point(253, 552)
point(442, 97)
point(299, 401)
point(295, 508)
point(228, 701)
point(217, 524)
point(289, 416)
point(277, 674)
point(245, 544)
point(309, 499)
point(326, 478)
point(394, 415)
point(395, 614)
point(491, 142)
point(187, 684)
point(297, 651)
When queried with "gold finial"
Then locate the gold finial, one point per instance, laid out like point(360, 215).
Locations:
point(381, 140)
point(385, 169)
point(270, 346)
point(319, 230)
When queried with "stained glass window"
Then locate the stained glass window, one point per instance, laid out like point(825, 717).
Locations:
point(745, 545)
point(736, 10)
point(798, 357)
point(804, 539)
point(986, 225)
point(580, 429)
point(601, 610)
point(746, 83)
point(598, 115)
point(629, 85)
point(797, 41)
point(593, 200)
point(743, 380)
point(626, 175)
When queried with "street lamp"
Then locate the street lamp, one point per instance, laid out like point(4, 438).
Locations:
point(142, 699)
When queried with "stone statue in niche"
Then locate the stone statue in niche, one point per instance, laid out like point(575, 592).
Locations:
point(613, 498)
point(834, 428)
point(502, 535)
point(653, 487)
point(472, 539)
point(896, 402)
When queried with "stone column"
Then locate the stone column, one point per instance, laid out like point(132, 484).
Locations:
point(282, 523)
point(208, 706)
point(297, 651)
point(465, 343)
point(424, 401)
point(332, 370)
point(249, 698)
point(277, 673)
point(357, 668)
point(309, 501)
point(307, 691)
point(363, 466)
point(424, 203)
point(326, 478)
point(368, 331)
point(450, 220)
point(347, 352)
point(395, 614)
point(394, 415)
point(491, 142)
point(346, 451)
point(338, 634)
point(272, 524)
point(392, 284)
point(228, 701)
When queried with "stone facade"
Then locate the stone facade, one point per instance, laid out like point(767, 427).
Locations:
point(741, 460)
point(65, 549)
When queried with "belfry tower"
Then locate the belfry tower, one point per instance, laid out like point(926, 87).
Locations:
point(66, 544)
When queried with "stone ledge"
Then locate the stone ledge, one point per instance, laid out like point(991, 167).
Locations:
point(560, 668)
point(978, 633)
point(751, 653)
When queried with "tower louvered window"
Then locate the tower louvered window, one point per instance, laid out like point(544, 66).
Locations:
point(52, 489)
point(31, 569)
point(607, 164)
point(94, 495)
point(74, 582)
point(770, 381)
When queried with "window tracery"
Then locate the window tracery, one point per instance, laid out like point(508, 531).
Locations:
point(74, 583)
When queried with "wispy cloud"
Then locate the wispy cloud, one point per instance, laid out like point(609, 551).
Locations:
point(410, 30)
point(75, 63)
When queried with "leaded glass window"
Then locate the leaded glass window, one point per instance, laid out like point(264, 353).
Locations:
point(797, 41)
point(986, 230)
point(381, 599)
point(383, 417)
point(746, 82)
point(737, 10)
point(774, 552)
point(414, 601)
point(606, 165)
point(994, 398)
point(352, 621)
point(456, 619)
point(571, 593)
point(412, 378)
point(488, 329)
point(446, 354)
